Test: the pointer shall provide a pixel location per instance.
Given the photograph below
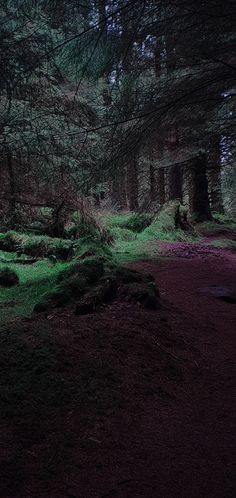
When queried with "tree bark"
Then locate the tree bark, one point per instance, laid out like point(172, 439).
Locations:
point(153, 183)
point(12, 185)
point(119, 196)
point(175, 183)
point(161, 186)
point(198, 195)
point(214, 176)
point(132, 184)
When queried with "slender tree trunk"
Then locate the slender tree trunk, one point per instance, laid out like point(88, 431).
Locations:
point(161, 186)
point(153, 183)
point(175, 183)
point(119, 196)
point(214, 177)
point(198, 196)
point(12, 185)
point(132, 183)
point(123, 193)
point(115, 192)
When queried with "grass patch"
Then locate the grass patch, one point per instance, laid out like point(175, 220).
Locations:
point(124, 234)
point(112, 244)
point(136, 250)
point(163, 227)
point(145, 227)
point(41, 278)
point(117, 220)
point(138, 222)
point(136, 235)
point(35, 280)
point(135, 222)
point(220, 222)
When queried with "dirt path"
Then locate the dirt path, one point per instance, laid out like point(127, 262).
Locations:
point(146, 405)
point(202, 429)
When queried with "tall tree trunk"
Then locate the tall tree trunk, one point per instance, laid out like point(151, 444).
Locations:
point(132, 184)
point(153, 183)
point(175, 183)
point(198, 196)
point(161, 186)
point(119, 196)
point(122, 188)
point(214, 177)
point(12, 185)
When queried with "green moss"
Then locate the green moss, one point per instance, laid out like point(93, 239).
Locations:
point(72, 283)
point(163, 226)
point(38, 245)
point(136, 235)
point(41, 278)
point(124, 234)
point(135, 222)
point(91, 269)
point(92, 247)
point(220, 222)
point(117, 220)
point(35, 280)
point(138, 222)
point(125, 251)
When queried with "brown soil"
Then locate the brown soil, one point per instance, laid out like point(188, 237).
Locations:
point(134, 403)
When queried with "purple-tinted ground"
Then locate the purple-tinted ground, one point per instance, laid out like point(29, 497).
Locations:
point(155, 414)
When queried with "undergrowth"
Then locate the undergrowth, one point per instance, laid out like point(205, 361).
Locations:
point(37, 245)
point(111, 243)
point(219, 222)
point(35, 280)
point(145, 227)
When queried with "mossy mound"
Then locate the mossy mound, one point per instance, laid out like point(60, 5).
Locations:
point(132, 222)
point(94, 282)
point(138, 222)
point(72, 284)
point(124, 234)
point(171, 223)
point(103, 293)
point(36, 246)
point(8, 277)
point(90, 270)
point(144, 293)
point(138, 287)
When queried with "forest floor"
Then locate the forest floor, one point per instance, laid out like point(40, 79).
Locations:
point(127, 402)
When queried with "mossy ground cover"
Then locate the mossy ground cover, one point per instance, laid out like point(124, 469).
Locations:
point(142, 243)
point(35, 245)
point(134, 237)
point(219, 223)
point(34, 280)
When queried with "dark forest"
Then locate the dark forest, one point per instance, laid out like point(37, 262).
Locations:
point(117, 248)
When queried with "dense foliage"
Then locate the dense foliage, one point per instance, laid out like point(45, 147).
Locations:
point(125, 102)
